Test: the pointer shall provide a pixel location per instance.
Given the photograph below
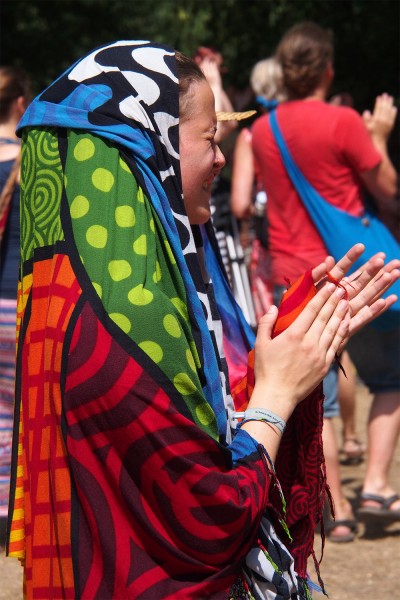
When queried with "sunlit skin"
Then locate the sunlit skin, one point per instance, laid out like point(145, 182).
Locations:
point(201, 158)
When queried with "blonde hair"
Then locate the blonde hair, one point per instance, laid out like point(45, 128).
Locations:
point(266, 80)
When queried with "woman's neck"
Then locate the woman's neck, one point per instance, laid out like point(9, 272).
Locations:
point(318, 94)
point(8, 151)
point(7, 130)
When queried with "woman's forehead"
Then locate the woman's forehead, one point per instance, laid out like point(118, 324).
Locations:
point(199, 102)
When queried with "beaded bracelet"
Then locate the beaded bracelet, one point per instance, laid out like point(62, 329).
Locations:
point(260, 414)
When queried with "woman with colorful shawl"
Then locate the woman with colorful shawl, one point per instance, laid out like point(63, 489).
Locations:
point(129, 479)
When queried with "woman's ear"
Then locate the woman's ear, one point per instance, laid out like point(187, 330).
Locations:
point(21, 103)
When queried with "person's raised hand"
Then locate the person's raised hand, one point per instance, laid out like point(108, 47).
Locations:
point(211, 72)
point(364, 287)
point(381, 121)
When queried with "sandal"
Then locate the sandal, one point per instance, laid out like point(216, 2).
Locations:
point(383, 511)
point(352, 452)
point(347, 537)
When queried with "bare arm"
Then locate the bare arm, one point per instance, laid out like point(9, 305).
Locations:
point(222, 102)
point(381, 181)
point(242, 176)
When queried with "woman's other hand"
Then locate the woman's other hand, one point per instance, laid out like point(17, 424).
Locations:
point(364, 287)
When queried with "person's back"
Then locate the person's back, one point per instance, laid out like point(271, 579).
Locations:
point(331, 146)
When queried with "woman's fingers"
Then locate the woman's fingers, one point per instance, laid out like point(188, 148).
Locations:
point(368, 283)
point(358, 280)
point(370, 276)
point(373, 290)
point(317, 312)
point(333, 330)
point(368, 313)
point(339, 270)
point(340, 339)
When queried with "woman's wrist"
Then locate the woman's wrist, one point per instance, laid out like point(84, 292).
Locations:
point(380, 142)
point(260, 414)
point(265, 431)
point(277, 401)
point(266, 434)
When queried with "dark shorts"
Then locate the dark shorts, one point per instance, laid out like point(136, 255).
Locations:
point(375, 351)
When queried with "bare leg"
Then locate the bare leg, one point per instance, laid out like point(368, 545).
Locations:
point(383, 435)
point(352, 448)
point(342, 506)
point(346, 397)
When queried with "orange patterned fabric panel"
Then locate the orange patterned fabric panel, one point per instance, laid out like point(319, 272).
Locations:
point(41, 515)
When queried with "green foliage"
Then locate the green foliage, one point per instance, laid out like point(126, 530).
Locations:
point(46, 36)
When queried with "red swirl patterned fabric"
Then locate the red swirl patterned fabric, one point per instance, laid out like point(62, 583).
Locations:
point(300, 462)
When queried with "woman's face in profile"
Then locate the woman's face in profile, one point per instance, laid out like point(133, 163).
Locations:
point(201, 158)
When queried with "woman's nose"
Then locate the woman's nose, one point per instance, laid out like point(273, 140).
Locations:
point(219, 159)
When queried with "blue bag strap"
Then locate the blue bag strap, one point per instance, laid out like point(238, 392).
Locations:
point(312, 200)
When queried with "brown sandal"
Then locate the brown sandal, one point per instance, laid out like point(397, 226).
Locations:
point(351, 524)
point(382, 510)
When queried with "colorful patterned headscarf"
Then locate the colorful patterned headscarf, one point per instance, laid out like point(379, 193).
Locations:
point(127, 482)
point(127, 93)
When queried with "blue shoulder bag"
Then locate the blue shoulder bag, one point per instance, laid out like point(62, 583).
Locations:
point(339, 230)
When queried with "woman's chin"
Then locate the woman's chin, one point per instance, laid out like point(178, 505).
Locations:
point(200, 216)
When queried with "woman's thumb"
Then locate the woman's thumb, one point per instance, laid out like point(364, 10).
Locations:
point(267, 322)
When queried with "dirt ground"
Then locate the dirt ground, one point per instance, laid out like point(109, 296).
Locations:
point(366, 569)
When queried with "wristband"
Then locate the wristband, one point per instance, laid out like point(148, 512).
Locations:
point(261, 414)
